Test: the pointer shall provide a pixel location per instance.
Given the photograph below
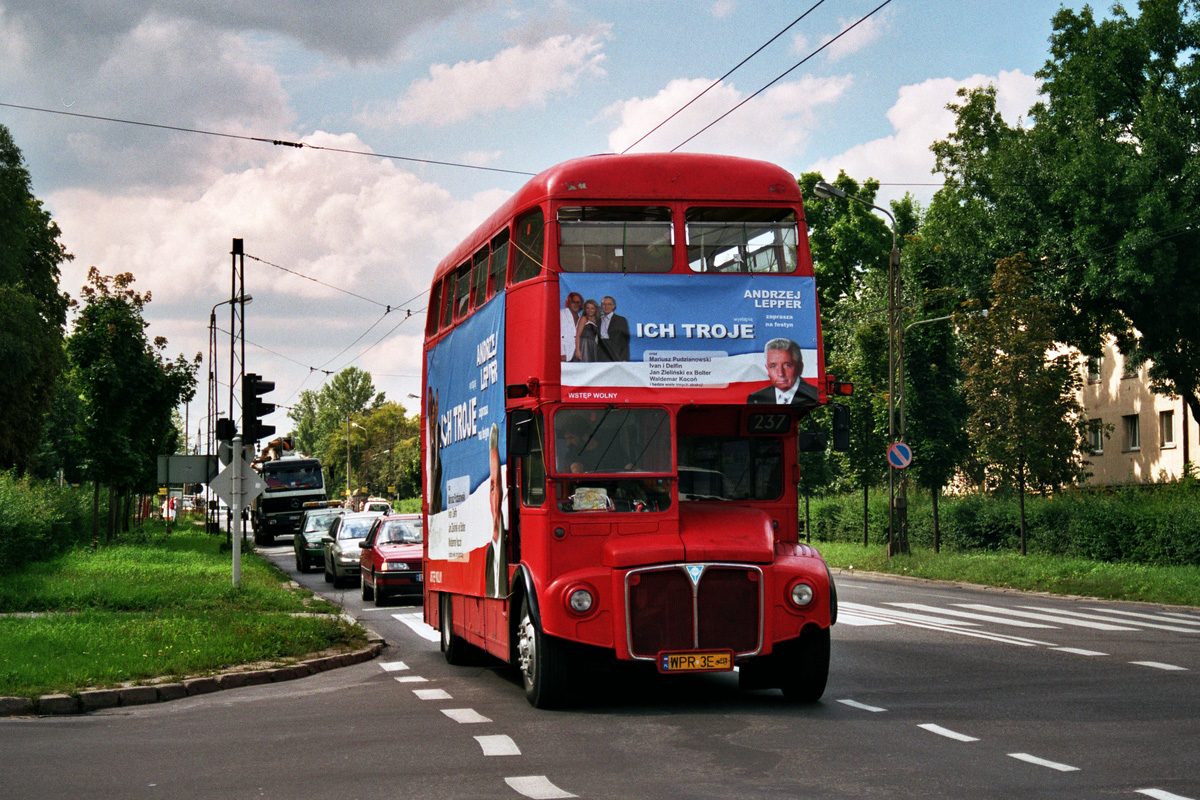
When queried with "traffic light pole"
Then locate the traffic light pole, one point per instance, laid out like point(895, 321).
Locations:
point(239, 484)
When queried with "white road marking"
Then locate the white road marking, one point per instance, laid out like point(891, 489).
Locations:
point(969, 615)
point(949, 734)
point(1166, 616)
point(1041, 762)
point(412, 679)
point(946, 626)
point(1159, 794)
point(432, 694)
point(1104, 618)
point(465, 716)
point(392, 666)
point(415, 621)
point(855, 621)
point(538, 787)
point(1079, 651)
point(498, 745)
point(1056, 619)
point(1160, 665)
point(862, 706)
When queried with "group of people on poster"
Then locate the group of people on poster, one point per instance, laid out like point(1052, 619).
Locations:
point(592, 331)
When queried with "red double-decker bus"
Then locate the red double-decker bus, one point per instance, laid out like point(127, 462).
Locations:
point(615, 366)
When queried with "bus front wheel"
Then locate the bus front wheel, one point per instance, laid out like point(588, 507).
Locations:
point(542, 660)
point(803, 665)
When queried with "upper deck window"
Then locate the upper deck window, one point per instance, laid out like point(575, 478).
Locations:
point(615, 239)
point(530, 243)
point(742, 240)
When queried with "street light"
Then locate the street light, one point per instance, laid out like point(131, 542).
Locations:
point(211, 518)
point(827, 191)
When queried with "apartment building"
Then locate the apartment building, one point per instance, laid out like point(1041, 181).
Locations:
point(1137, 436)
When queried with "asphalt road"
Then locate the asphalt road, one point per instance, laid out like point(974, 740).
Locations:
point(935, 691)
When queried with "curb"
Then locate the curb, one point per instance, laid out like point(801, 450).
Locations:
point(90, 700)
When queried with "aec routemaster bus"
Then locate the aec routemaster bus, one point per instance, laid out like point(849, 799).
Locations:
point(615, 366)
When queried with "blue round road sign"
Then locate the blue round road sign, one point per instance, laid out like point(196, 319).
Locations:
point(899, 455)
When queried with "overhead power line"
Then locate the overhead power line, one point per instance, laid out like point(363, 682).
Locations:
point(717, 82)
point(800, 63)
point(261, 139)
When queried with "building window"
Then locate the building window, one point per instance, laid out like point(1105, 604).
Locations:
point(1093, 369)
point(1096, 436)
point(1166, 428)
point(1128, 368)
point(1133, 438)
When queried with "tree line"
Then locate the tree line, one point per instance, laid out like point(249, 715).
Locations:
point(97, 403)
point(1074, 225)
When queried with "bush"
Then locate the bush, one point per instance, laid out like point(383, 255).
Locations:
point(1157, 524)
point(39, 520)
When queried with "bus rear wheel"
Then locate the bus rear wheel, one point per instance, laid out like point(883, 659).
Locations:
point(453, 647)
point(542, 660)
point(803, 665)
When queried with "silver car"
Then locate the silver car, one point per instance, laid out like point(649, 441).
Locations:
point(341, 546)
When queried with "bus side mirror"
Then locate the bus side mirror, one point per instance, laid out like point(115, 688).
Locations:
point(841, 428)
point(520, 430)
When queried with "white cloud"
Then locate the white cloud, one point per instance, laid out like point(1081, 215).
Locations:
point(919, 117)
point(354, 30)
point(520, 76)
point(857, 39)
point(723, 9)
point(773, 125)
point(361, 224)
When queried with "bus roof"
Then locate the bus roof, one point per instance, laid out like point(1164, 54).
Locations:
point(642, 177)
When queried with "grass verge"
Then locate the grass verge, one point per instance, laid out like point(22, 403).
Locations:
point(1034, 572)
point(161, 608)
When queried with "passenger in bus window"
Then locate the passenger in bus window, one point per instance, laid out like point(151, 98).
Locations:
point(785, 362)
point(614, 333)
point(569, 322)
point(495, 564)
point(587, 333)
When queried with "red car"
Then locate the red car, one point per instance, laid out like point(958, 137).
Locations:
point(391, 558)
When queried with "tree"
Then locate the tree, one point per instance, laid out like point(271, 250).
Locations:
point(1026, 422)
point(128, 391)
point(1104, 188)
point(323, 420)
point(32, 310)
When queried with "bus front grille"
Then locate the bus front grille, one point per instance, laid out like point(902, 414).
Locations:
point(720, 608)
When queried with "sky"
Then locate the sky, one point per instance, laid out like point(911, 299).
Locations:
point(421, 117)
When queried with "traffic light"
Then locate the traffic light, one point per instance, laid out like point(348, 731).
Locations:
point(254, 409)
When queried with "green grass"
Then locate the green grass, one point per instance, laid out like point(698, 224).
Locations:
point(161, 608)
point(1034, 572)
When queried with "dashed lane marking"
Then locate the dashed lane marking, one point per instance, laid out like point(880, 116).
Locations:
point(498, 745)
point(862, 706)
point(949, 734)
point(1160, 665)
point(432, 694)
point(393, 666)
point(1079, 651)
point(465, 716)
point(1159, 794)
point(412, 679)
point(537, 787)
point(1041, 762)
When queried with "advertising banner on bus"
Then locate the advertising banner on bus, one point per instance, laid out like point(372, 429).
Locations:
point(741, 338)
point(465, 456)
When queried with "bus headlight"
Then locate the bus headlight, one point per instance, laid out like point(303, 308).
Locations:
point(581, 601)
point(802, 594)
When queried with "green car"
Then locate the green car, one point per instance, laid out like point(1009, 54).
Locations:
point(307, 543)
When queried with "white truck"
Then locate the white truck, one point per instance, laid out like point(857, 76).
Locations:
point(293, 480)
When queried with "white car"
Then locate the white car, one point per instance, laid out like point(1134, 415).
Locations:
point(341, 546)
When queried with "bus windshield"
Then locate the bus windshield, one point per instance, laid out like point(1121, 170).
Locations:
point(741, 240)
point(614, 239)
point(730, 468)
point(612, 440)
